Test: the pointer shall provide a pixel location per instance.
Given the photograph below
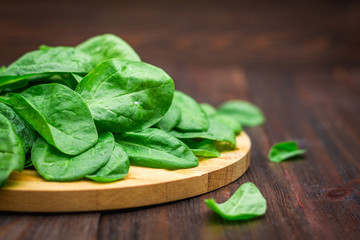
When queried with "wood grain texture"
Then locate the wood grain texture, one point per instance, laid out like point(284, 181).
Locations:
point(141, 187)
point(298, 61)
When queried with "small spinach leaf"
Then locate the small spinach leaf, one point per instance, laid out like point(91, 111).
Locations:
point(284, 150)
point(115, 169)
point(170, 119)
point(247, 202)
point(106, 46)
point(208, 109)
point(216, 132)
point(54, 165)
point(126, 95)
point(59, 115)
point(229, 122)
point(21, 127)
point(204, 148)
point(193, 118)
point(156, 149)
point(244, 112)
point(12, 155)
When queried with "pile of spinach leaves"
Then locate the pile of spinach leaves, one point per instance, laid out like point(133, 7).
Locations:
point(92, 110)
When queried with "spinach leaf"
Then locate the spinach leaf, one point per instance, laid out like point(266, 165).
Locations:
point(12, 155)
point(170, 119)
point(208, 109)
point(21, 127)
point(77, 77)
point(229, 122)
point(46, 60)
point(244, 112)
point(59, 115)
point(204, 148)
point(115, 169)
point(54, 165)
point(216, 132)
point(247, 202)
point(193, 118)
point(156, 149)
point(284, 150)
point(107, 46)
point(126, 95)
point(2, 69)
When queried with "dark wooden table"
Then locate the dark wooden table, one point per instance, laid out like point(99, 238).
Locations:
point(299, 62)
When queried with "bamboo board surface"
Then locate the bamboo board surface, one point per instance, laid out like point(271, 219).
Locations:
point(28, 192)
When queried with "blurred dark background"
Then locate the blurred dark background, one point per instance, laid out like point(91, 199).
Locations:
point(212, 33)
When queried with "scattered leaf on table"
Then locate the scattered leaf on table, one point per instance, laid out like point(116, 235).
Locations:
point(284, 150)
point(247, 202)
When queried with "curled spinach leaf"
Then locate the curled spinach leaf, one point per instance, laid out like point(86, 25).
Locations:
point(156, 149)
point(21, 127)
point(59, 115)
point(193, 118)
point(204, 148)
point(45, 61)
point(54, 165)
point(244, 112)
point(284, 150)
point(115, 169)
point(170, 119)
point(107, 46)
point(12, 155)
point(126, 95)
point(216, 132)
point(247, 202)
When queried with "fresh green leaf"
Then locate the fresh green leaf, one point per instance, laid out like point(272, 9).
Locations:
point(59, 115)
point(115, 169)
point(44, 61)
point(54, 165)
point(156, 149)
point(244, 112)
point(21, 127)
point(12, 155)
point(126, 95)
point(208, 109)
point(247, 202)
point(107, 46)
point(284, 150)
point(204, 148)
point(216, 132)
point(2, 69)
point(193, 118)
point(170, 119)
point(229, 122)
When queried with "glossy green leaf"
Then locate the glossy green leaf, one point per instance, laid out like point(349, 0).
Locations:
point(12, 155)
point(229, 122)
point(244, 112)
point(126, 95)
point(247, 202)
point(115, 169)
point(204, 148)
point(216, 132)
point(54, 165)
point(193, 118)
point(208, 109)
point(21, 127)
point(170, 119)
point(107, 46)
point(284, 150)
point(44, 61)
point(156, 149)
point(59, 115)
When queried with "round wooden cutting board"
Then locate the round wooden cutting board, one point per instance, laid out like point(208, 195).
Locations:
point(28, 192)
